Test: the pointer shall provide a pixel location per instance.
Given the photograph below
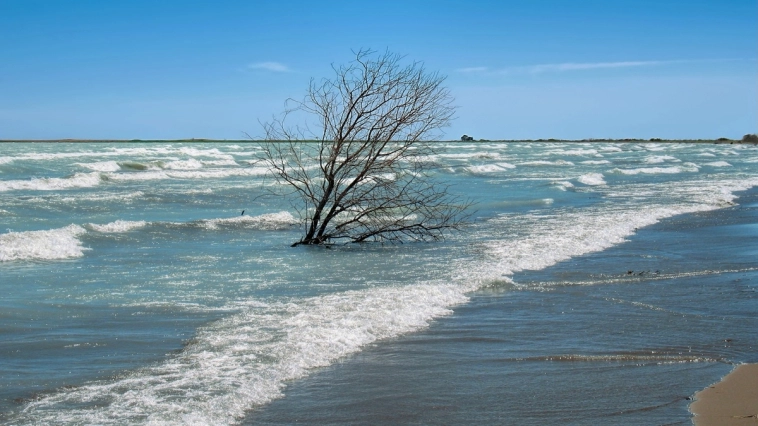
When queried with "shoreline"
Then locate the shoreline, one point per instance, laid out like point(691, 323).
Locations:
point(732, 401)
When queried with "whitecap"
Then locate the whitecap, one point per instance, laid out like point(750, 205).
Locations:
point(78, 180)
point(191, 164)
point(54, 244)
point(686, 167)
point(101, 166)
point(563, 185)
point(656, 159)
point(117, 226)
point(489, 168)
point(592, 179)
point(547, 163)
point(718, 164)
point(268, 221)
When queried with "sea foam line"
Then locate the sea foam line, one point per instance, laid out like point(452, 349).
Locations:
point(244, 360)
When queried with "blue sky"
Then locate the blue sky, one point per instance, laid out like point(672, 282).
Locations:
point(518, 69)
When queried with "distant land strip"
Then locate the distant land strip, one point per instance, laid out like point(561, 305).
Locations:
point(196, 140)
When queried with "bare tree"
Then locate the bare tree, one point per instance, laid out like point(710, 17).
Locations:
point(363, 174)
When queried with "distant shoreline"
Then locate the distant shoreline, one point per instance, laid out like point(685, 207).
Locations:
point(654, 140)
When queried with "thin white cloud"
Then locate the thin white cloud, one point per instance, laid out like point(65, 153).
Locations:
point(565, 67)
point(574, 66)
point(472, 69)
point(270, 66)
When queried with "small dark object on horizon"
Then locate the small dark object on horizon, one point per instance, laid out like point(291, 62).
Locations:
point(243, 213)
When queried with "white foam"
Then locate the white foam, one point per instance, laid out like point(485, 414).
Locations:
point(191, 164)
point(718, 164)
point(489, 168)
point(506, 165)
point(611, 149)
point(244, 360)
point(78, 180)
point(52, 244)
point(268, 221)
point(546, 163)
point(549, 238)
point(656, 159)
point(101, 166)
point(118, 226)
point(592, 179)
point(563, 185)
point(220, 163)
point(686, 167)
point(188, 174)
point(575, 152)
point(595, 162)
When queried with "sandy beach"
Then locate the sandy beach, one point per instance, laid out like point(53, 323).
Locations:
point(732, 401)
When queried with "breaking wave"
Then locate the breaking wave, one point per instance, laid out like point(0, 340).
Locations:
point(54, 244)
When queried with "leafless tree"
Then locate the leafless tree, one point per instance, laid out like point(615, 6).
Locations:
point(363, 174)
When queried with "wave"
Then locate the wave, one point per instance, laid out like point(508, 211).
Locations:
point(718, 164)
point(592, 179)
point(546, 163)
point(64, 243)
point(89, 180)
point(489, 168)
point(549, 238)
point(686, 167)
point(563, 185)
point(574, 152)
point(188, 174)
point(269, 221)
point(54, 244)
point(101, 166)
point(650, 358)
point(78, 180)
point(656, 159)
point(244, 360)
point(118, 226)
point(155, 151)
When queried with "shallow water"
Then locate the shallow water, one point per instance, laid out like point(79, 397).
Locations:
point(581, 342)
point(137, 293)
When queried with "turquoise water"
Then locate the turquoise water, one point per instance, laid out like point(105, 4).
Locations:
point(135, 292)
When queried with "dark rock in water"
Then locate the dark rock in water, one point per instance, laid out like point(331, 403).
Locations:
point(467, 138)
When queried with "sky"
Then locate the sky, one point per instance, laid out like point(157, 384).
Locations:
point(526, 69)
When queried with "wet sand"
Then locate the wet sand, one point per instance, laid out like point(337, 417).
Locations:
point(732, 401)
